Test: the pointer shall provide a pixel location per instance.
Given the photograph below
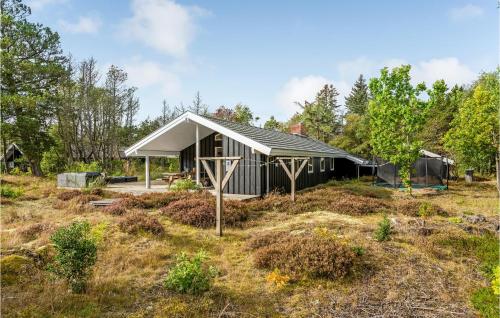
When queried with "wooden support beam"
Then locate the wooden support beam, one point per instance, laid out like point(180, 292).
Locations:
point(219, 181)
point(293, 174)
point(148, 176)
point(197, 155)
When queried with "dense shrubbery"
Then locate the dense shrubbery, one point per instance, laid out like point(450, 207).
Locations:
point(68, 195)
point(31, 232)
point(184, 185)
point(190, 275)
point(76, 254)
point(412, 207)
point(141, 222)
point(7, 191)
point(312, 255)
point(115, 209)
point(199, 211)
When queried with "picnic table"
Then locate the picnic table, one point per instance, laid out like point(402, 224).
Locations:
point(170, 177)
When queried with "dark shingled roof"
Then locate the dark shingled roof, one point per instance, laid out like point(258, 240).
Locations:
point(279, 140)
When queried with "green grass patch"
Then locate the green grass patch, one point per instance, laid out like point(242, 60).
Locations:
point(485, 302)
point(484, 248)
point(7, 191)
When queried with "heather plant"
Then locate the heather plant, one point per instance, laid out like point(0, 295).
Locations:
point(190, 275)
point(383, 231)
point(76, 254)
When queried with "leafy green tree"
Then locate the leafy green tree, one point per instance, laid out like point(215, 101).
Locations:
point(473, 137)
point(243, 114)
point(272, 124)
point(32, 65)
point(357, 101)
point(355, 137)
point(320, 117)
point(397, 114)
point(76, 254)
point(444, 105)
point(240, 114)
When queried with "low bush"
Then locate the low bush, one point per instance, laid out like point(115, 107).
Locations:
point(266, 239)
point(68, 195)
point(86, 198)
point(200, 211)
point(76, 254)
point(190, 275)
point(412, 207)
point(31, 232)
point(383, 231)
point(141, 222)
point(152, 200)
point(115, 209)
point(184, 185)
point(313, 256)
point(7, 191)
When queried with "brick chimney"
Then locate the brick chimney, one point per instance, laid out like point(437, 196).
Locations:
point(298, 129)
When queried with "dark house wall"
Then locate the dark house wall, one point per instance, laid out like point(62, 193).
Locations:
point(247, 177)
point(250, 176)
point(279, 180)
point(207, 149)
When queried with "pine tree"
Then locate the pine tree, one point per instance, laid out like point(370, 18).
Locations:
point(357, 101)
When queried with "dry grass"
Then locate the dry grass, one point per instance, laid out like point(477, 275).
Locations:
point(415, 274)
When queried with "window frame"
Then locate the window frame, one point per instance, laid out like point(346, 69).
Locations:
point(221, 152)
point(310, 165)
point(218, 137)
point(322, 165)
point(332, 163)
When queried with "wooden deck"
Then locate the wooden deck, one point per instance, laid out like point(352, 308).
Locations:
point(138, 188)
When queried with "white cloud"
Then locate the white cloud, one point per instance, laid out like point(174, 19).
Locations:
point(300, 89)
point(449, 69)
point(468, 11)
point(163, 25)
point(144, 74)
point(41, 4)
point(85, 24)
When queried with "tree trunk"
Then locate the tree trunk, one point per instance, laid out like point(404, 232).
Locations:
point(498, 171)
point(36, 170)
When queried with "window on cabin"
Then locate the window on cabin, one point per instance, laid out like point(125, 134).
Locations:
point(218, 137)
point(332, 166)
point(322, 164)
point(310, 167)
point(218, 151)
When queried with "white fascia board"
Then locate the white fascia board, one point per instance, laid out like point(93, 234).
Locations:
point(154, 153)
point(300, 153)
point(229, 133)
point(129, 151)
point(204, 122)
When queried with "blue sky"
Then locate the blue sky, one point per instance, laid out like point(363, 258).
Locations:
point(268, 54)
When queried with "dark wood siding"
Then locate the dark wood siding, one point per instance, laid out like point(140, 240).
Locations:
point(207, 149)
point(279, 181)
point(247, 177)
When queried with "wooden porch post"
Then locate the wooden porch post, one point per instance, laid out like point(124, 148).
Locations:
point(197, 155)
point(219, 211)
point(219, 181)
point(292, 174)
point(148, 178)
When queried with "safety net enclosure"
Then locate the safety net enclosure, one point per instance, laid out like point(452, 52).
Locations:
point(430, 170)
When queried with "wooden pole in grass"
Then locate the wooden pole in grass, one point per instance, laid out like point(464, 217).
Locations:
point(219, 181)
